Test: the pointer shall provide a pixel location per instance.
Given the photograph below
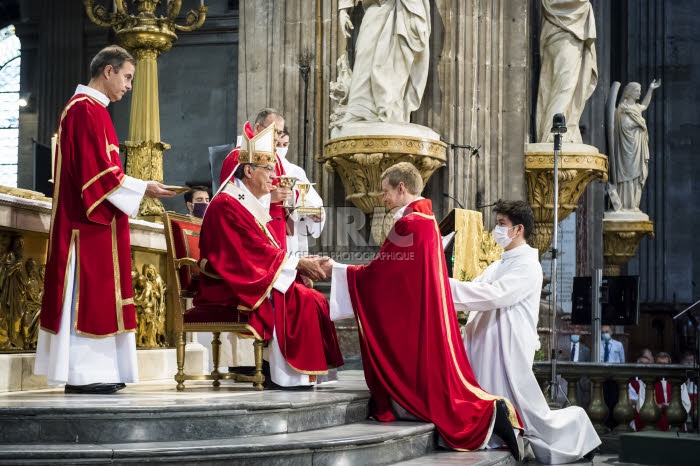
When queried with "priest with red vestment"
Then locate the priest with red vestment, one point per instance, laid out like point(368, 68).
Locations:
point(414, 362)
point(87, 321)
point(248, 270)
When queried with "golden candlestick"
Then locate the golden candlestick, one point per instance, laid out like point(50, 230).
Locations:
point(146, 36)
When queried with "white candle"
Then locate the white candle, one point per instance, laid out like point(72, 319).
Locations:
point(114, 5)
point(54, 139)
point(201, 2)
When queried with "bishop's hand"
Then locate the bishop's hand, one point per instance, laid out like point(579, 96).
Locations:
point(311, 267)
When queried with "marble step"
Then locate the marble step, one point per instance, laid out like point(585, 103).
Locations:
point(360, 443)
point(158, 413)
point(457, 458)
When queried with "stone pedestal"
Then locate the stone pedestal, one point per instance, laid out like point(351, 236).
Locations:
point(622, 233)
point(360, 152)
point(579, 164)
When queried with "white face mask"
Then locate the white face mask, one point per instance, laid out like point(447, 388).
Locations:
point(282, 151)
point(500, 234)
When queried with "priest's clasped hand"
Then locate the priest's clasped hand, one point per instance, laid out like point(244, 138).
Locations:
point(314, 267)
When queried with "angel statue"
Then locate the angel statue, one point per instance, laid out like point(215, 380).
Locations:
point(628, 143)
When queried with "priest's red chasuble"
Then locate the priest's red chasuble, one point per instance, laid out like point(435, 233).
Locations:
point(412, 350)
point(237, 246)
point(85, 223)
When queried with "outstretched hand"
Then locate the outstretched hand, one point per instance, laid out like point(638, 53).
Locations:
point(156, 189)
point(311, 267)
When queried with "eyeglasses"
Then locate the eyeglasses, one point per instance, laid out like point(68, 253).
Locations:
point(267, 168)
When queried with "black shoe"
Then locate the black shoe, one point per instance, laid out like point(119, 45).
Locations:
point(242, 370)
point(591, 454)
point(504, 429)
point(94, 388)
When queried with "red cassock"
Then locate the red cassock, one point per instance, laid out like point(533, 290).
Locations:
point(412, 349)
point(238, 248)
point(662, 424)
point(87, 170)
point(278, 225)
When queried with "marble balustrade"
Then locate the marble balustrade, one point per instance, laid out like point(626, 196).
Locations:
point(622, 412)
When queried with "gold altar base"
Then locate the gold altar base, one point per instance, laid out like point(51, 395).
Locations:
point(579, 164)
point(620, 241)
point(360, 161)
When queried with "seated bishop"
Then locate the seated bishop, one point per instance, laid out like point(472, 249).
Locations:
point(248, 270)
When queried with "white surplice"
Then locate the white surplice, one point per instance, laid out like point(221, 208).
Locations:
point(67, 357)
point(501, 340)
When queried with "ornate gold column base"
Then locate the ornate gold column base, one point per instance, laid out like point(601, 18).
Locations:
point(144, 160)
point(360, 161)
point(579, 164)
point(620, 241)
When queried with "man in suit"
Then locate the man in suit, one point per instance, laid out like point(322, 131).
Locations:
point(578, 352)
point(611, 351)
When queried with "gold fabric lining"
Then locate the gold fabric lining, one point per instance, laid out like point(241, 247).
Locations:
point(96, 177)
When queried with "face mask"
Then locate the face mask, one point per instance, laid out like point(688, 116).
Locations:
point(607, 336)
point(575, 338)
point(198, 209)
point(500, 234)
point(282, 151)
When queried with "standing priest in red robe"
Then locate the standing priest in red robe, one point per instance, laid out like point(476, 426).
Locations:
point(249, 270)
point(88, 321)
point(412, 353)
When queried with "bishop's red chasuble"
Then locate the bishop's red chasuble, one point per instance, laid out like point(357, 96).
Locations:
point(237, 246)
point(412, 350)
point(87, 170)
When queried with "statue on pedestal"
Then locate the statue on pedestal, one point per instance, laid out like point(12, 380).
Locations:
point(569, 71)
point(391, 60)
point(629, 145)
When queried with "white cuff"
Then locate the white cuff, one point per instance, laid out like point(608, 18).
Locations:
point(287, 275)
point(340, 302)
point(127, 197)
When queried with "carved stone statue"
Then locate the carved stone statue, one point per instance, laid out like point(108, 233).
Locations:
point(391, 59)
point(569, 71)
point(13, 293)
point(629, 161)
point(7, 258)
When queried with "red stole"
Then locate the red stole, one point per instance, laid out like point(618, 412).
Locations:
point(638, 424)
point(235, 245)
point(412, 350)
point(87, 170)
point(662, 424)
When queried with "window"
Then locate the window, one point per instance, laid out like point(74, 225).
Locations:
point(9, 105)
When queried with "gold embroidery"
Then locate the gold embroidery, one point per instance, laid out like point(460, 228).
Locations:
point(99, 201)
point(117, 278)
point(95, 178)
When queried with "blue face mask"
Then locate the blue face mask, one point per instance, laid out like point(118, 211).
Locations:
point(575, 338)
point(607, 336)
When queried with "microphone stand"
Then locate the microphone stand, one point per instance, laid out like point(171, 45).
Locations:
point(557, 129)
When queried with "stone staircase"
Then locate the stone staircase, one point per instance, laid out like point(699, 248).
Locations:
point(152, 422)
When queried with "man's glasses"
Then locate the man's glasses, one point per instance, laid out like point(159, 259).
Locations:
point(267, 168)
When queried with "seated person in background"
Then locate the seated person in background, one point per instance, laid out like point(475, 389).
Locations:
point(196, 201)
point(246, 269)
point(662, 393)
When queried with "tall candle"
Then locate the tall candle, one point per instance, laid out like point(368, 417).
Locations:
point(54, 140)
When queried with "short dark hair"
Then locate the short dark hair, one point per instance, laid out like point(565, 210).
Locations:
point(110, 55)
point(519, 213)
point(240, 171)
point(266, 112)
point(189, 195)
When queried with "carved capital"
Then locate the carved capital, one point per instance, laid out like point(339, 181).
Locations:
point(576, 171)
point(620, 241)
point(144, 160)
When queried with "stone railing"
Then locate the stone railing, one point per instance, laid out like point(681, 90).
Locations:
point(623, 412)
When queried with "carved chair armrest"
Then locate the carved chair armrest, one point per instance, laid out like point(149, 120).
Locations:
point(201, 268)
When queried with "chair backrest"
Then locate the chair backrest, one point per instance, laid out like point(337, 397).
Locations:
point(182, 238)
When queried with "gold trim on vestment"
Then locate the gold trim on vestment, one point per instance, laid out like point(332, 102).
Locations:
point(96, 177)
point(269, 288)
point(73, 244)
point(94, 205)
point(92, 335)
point(127, 301)
point(117, 278)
